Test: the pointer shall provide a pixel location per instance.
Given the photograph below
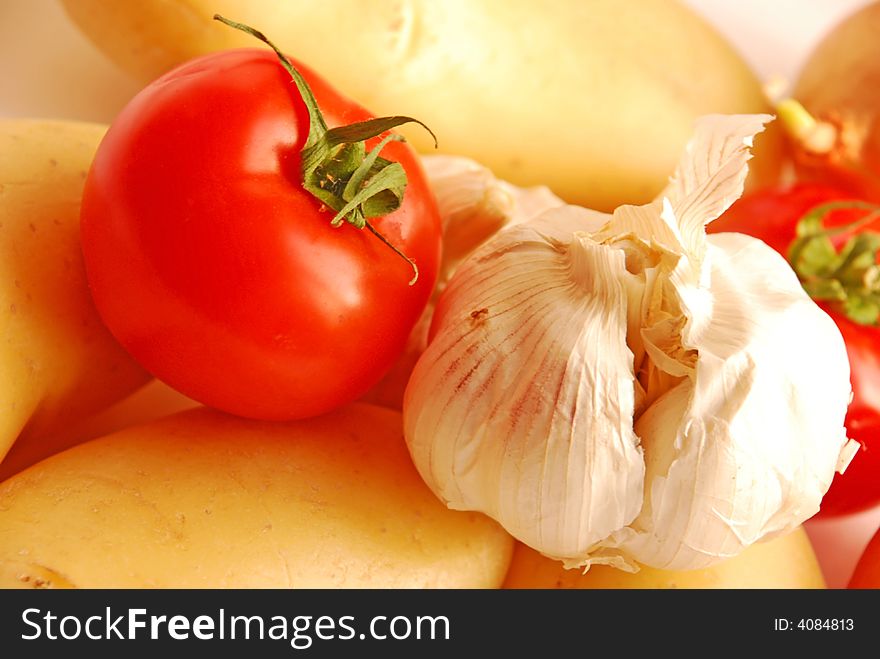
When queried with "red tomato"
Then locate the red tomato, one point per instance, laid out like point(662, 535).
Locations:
point(214, 267)
point(772, 215)
point(867, 571)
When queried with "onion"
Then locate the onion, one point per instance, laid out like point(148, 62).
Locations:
point(839, 86)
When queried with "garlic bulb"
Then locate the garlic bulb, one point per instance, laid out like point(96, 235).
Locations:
point(625, 389)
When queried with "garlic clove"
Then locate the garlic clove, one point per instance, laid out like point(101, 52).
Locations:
point(530, 444)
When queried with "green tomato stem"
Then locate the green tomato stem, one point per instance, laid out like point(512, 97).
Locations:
point(336, 168)
point(848, 277)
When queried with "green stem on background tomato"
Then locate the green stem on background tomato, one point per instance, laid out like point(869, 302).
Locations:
point(850, 276)
point(336, 168)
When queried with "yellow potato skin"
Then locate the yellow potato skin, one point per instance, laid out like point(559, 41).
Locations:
point(57, 361)
point(595, 98)
point(152, 401)
point(784, 562)
point(202, 499)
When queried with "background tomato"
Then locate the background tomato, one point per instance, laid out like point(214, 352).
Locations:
point(219, 273)
point(772, 215)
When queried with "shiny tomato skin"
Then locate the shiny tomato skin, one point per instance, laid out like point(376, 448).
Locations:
point(772, 215)
point(219, 273)
point(857, 489)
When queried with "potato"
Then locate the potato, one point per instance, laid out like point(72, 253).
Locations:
point(152, 401)
point(595, 98)
point(784, 562)
point(201, 499)
point(57, 361)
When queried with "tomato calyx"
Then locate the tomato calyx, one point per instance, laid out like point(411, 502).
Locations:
point(848, 277)
point(338, 170)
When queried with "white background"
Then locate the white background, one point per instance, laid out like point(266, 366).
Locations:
point(47, 69)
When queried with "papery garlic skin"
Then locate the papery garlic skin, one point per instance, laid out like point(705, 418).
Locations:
point(474, 205)
point(622, 389)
